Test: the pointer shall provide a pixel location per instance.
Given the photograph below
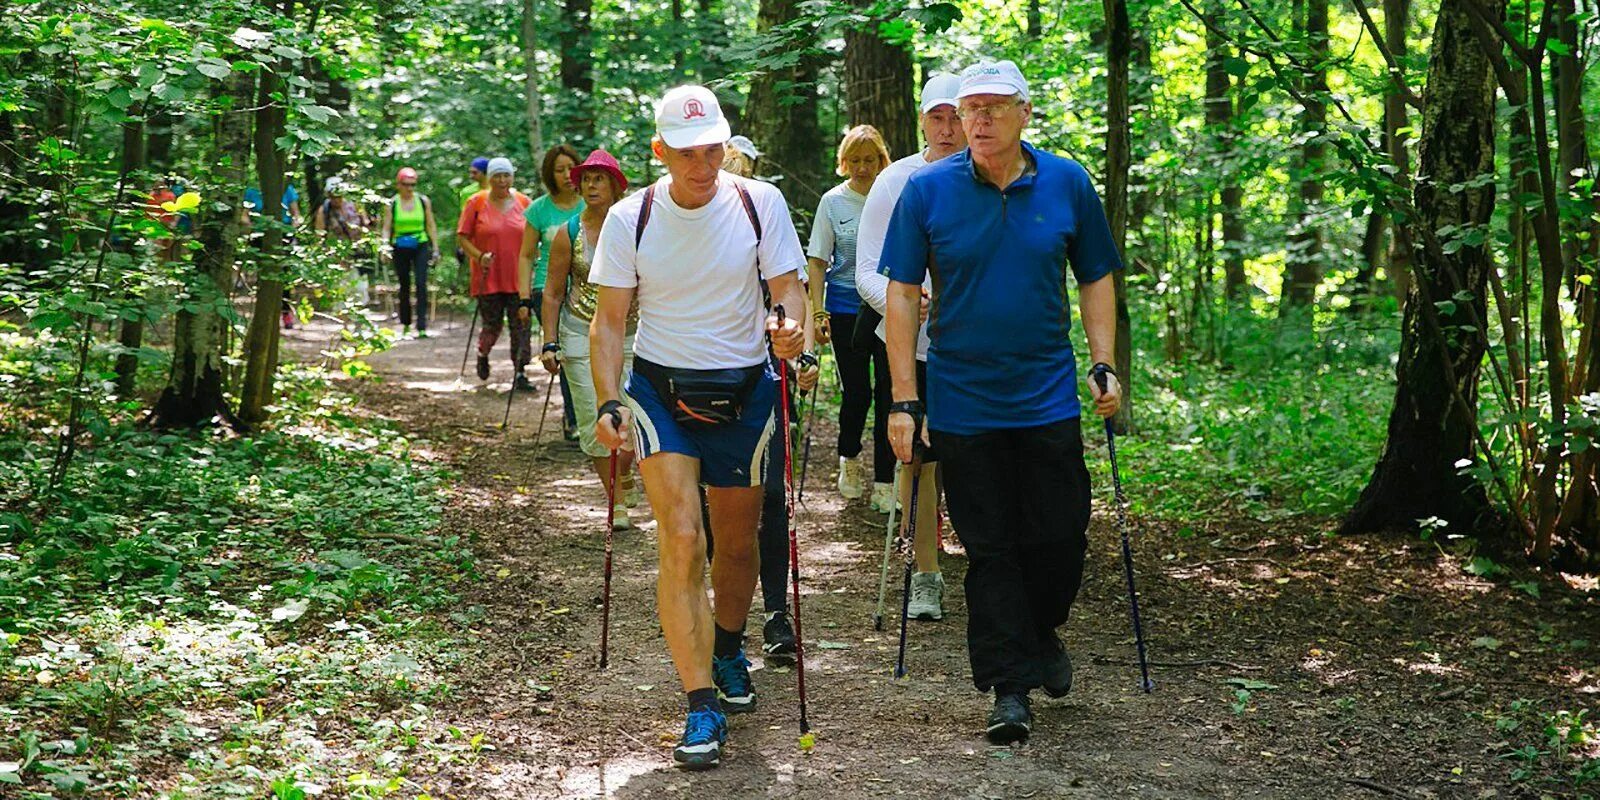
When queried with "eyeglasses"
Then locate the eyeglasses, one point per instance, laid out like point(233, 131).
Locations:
point(408, 183)
point(988, 112)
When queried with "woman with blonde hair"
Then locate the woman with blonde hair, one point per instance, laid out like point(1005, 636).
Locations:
point(831, 259)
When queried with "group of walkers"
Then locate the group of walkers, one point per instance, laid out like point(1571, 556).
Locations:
point(687, 317)
point(683, 321)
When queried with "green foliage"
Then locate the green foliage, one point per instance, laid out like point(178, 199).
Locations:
point(1269, 434)
point(208, 576)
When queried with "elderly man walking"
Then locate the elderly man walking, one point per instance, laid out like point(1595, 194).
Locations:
point(695, 250)
point(997, 226)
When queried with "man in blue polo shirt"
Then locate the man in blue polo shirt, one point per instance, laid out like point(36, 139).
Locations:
point(1002, 407)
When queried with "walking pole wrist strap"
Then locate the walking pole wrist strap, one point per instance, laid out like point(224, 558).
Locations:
point(613, 409)
point(1098, 373)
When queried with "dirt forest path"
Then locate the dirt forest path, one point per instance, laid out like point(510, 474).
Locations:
point(1287, 662)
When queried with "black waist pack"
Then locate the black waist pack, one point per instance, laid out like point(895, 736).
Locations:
point(702, 397)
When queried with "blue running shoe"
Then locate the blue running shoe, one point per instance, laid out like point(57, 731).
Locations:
point(703, 734)
point(732, 676)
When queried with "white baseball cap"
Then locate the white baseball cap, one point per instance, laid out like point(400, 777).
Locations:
point(940, 90)
point(499, 165)
point(745, 146)
point(993, 77)
point(333, 185)
point(690, 116)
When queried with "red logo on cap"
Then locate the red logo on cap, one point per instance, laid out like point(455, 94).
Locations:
point(693, 109)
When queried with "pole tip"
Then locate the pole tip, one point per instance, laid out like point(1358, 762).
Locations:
point(808, 740)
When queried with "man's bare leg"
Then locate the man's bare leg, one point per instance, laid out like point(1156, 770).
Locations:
point(671, 481)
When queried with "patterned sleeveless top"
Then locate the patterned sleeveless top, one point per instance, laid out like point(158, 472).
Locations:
point(582, 296)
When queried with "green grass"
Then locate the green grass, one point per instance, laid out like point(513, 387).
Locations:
point(208, 615)
point(1269, 432)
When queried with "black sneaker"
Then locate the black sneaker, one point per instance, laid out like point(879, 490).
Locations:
point(1010, 720)
point(483, 368)
point(1058, 676)
point(777, 640)
point(703, 734)
point(734, 689)
point(522, 384)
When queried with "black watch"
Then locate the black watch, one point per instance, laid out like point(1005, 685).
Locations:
point(553, 347)
point(912, 407)
point(526, 302)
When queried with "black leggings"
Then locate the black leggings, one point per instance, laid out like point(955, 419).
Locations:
point(864, 375)
point(412, 264)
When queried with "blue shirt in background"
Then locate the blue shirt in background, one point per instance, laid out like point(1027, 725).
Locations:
point(1000, 354)
point(252, 196)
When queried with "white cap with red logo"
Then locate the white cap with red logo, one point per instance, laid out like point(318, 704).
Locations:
point(690, 116)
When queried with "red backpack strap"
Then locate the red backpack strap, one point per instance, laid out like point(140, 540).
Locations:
point(644, 215)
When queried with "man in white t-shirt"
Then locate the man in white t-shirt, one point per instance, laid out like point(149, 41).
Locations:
point(942, 129)
point(694, 249)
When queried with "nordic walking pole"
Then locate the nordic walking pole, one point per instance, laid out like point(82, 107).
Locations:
point(605, 597)
point(538, 435)
point(1127, 551)
point(510, 394)
point(805, 449)
point(470, 329)
point(908, 541)
point(794, 539)
point(888, 543)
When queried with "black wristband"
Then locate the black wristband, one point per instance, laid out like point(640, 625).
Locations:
point(912, 407)
point(554, 347)
point(614, 409)
point(807, 360)
point(525, 302)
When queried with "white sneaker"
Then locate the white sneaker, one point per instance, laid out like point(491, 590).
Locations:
point(619, 518)
point(927, 596)
point(883, 497)
point(850, 477)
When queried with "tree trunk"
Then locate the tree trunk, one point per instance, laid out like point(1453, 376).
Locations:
point(1219, 118)
point(781, 116)
point(877, 85)
point(1119, 47)
point(530, 80)
point(711, 28)
point(261, 340)
point(1396, 19)
point(1035, 21)
point(1303, 264)
point(194, 391)
point(577, 68)
point(1372, 252)
point(1579, 520)
point(1433, 423)
point(131, 337)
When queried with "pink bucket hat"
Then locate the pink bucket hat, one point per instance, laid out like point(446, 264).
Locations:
point(599, 159)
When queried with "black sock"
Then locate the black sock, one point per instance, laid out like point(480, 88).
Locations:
point(727, 643)
point(703, 699)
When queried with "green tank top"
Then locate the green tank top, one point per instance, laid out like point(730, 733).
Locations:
point(411, 221)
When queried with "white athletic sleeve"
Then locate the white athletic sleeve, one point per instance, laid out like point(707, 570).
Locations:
point(614, 255)
point(780, 243)
point(871, 284)
point(821, 247)
point(870, 230)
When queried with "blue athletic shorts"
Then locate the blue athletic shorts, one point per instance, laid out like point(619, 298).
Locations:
point(731, 455)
